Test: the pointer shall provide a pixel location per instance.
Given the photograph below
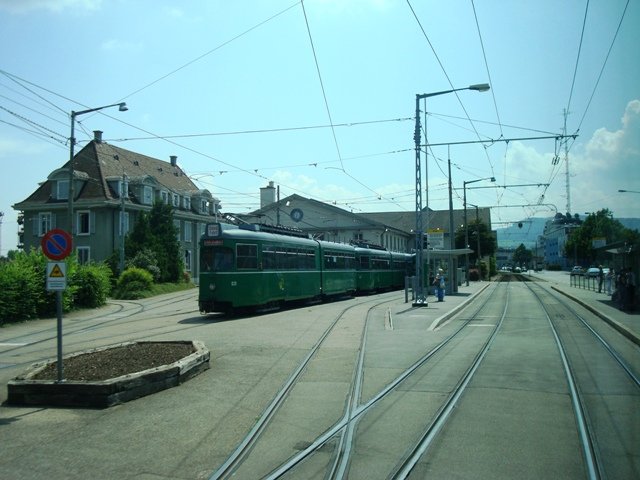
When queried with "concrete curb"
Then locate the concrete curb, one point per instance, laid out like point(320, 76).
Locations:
point(617, 325)
point(100, 394)
point(443, 318)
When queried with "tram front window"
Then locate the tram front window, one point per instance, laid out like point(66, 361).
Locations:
point(222, 260)
point(216, 260)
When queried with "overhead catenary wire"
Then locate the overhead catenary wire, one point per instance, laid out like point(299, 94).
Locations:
point(444, 71)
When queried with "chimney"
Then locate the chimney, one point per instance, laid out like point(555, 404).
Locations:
point(97, 136)
point(267, 195)
point(174, 160)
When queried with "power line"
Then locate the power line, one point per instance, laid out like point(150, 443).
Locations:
point(211, 51)
point(486, 64)
point(424, 33)
point(324, 93)
point(266, 130)
point(624, 11)
point(575, 70)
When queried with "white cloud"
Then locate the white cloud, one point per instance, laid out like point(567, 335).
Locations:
point(610, 161)
point(25, 6)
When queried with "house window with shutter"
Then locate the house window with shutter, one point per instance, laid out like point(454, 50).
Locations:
point(187, 260)
point(84, 223)
point(83, 255)
point(176, 223)
point(44, 223)
point(187, 231)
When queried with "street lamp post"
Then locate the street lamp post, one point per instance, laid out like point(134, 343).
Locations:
point(72, 142)
point(628, 191)
point(420, 297)
point(466, 222)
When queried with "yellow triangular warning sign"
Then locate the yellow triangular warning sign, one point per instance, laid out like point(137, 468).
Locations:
point(56, 272)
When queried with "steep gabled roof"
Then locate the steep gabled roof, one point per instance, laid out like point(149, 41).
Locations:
point(99, 162)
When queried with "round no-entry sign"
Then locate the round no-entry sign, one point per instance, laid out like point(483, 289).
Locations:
point(56, 244)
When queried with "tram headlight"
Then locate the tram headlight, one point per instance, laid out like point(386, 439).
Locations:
point(212, 286)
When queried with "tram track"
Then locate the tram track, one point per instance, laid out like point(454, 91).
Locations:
point(340, 438)
point(38, 345)
point(238, 456)
point(591, 440)
point(579, 344)
point(97, 320)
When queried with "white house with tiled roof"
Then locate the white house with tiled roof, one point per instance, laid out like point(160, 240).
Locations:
point(100, 173)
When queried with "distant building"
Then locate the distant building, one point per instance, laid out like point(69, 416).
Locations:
point(555, 236)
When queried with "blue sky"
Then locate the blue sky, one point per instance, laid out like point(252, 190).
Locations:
point(245, 92)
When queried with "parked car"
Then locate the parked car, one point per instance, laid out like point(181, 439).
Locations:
point(577, 270)
point(595, 271)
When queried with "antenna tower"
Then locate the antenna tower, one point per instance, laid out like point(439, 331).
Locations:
point(566, 159)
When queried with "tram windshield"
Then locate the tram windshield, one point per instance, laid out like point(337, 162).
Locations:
point(216, 259)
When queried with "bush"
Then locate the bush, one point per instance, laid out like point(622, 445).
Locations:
point(93, 285)
point(146, 259)
point(554, 267)
point(132, 283)
point(19, 293)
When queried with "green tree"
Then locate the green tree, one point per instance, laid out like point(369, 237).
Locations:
point(522, 255)
point(487, 240)
point(600, 224)
point(156, 233)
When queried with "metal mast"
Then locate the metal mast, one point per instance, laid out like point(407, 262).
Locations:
point(566, 160)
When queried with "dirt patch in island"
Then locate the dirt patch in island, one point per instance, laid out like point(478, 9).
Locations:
point(115, 362)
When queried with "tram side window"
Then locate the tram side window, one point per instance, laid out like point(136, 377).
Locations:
point(364, 263)
point(247, 256)
point(268, 258)
point(380, 263)
point(330, 261)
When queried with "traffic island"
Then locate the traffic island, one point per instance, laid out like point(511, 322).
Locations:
point(111, 375)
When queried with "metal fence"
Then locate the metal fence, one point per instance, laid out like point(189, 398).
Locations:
point(591, 283)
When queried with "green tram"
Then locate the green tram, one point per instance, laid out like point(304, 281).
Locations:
point(379, 269)
point(265, 267)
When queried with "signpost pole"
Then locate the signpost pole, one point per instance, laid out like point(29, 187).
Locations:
point(59, 314)
point(56, 245)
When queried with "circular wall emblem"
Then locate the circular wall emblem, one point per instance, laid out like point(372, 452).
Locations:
point(296, 214)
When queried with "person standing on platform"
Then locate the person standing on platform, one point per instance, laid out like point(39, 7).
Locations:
point(608, 281)
point(440, 285)
point(600, 278)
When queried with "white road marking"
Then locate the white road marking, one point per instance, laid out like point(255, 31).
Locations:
point(13, 344)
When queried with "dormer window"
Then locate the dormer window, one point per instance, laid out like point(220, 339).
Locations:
point(62, 190)
point(176, 200)
point(186, 203)
point(147, 195)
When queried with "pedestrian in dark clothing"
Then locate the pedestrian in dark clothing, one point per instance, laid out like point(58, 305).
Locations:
point(622, 289)
point(631, 289)
point(600, 278)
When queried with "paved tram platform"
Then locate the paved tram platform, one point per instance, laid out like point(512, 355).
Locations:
point(601, 304)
